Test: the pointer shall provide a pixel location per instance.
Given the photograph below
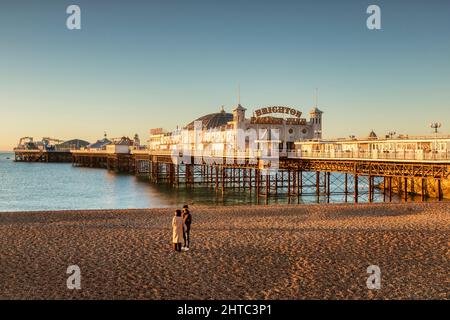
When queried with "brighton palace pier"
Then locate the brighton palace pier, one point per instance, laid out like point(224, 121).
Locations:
point(275, 152)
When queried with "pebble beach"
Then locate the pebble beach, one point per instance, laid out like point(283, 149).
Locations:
point(243, 252)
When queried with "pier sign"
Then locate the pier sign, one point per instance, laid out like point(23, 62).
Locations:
point(277, 109)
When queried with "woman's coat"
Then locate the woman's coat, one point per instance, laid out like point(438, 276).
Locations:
point(177, 228)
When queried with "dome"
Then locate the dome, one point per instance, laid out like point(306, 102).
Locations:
point(212, 120)
point(74, 144)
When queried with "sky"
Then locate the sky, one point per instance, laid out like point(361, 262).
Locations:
point(136, 65)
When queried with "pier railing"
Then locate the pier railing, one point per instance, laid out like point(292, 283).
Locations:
point(414, 155)
point(252, 154)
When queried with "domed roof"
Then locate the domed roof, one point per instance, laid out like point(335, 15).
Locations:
point(212, 120)
point(74, 144)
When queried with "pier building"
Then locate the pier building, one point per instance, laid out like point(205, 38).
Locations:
point(217, 133)
point(412, 148)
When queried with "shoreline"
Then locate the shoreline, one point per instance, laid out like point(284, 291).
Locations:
point(233, 207)
point(306, 251)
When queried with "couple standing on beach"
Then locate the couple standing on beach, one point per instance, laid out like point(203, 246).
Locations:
point(181, 228)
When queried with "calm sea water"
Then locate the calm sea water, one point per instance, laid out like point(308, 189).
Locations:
point(56, 186)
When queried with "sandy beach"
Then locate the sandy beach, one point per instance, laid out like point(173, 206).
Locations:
point(245, 252)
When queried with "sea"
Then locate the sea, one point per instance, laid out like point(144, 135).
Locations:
point(28, 186)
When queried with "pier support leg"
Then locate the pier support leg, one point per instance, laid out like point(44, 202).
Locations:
point(300, 182)
point(356, 189)
point(422, 189)
point(223, 180)
point(439, 190)
point(289, 184)
point(390, 189)
point(216, 183)
point(405, 191)
point(346, 186)
point(317, 184)
point(399, 187)
point(328, 174)
point(276, 182)
point(258, 184)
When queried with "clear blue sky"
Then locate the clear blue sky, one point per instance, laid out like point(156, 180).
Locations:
point(142, 64)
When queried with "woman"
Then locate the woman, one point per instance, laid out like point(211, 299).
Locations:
point(177, 230)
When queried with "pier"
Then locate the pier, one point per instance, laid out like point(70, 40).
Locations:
point(215, 152)
point(313, 169)
point(355, 179)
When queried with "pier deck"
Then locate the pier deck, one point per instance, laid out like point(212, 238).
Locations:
point(287, 175)
point(42, 156)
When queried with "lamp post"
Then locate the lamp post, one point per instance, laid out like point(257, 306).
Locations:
point(391, 134)
point(435, 126)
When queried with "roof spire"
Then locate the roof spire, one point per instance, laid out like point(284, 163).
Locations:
point(317, 98)
point(239, 94)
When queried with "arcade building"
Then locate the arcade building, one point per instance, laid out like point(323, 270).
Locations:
point(217, 132)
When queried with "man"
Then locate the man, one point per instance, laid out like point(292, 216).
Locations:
point(187, 219)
